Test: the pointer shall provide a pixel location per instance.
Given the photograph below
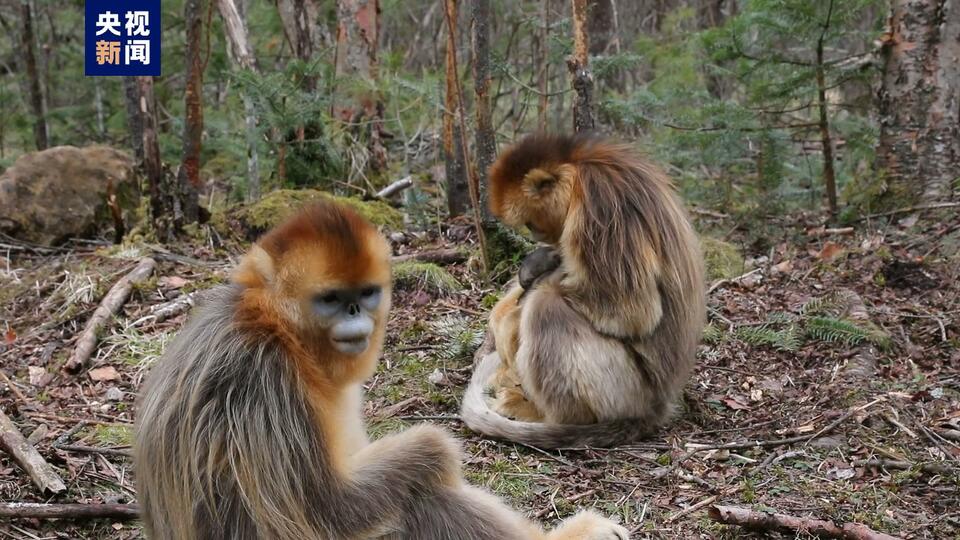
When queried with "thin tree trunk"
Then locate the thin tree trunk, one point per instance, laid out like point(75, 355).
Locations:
point(544, 76)
point(485, 138)
point(188, 177)
point(358, 34)
point(919, 100)
point(578, 64)
point(28, 42)
point(829, 176)
point(450, 14)
point(161, 205)
point(131, 93)
point(458, 194)
point(236, 30)
point(98, 106)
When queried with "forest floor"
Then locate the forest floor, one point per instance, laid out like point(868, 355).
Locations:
point(808, 400)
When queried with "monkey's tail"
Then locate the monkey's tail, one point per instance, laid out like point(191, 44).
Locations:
point(478, 416)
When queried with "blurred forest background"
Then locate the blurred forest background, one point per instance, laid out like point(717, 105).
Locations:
point(754, 106)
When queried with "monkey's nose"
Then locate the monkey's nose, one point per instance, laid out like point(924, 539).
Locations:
point(353, 309)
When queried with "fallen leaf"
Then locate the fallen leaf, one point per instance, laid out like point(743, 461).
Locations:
point(105, 373)
point(830, 252)
point(10, 336)
point(172, 282)
point(736, 403)
point(436, 377)
point(784, 267)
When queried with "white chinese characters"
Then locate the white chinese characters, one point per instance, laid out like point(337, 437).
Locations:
point(138, 23)
point(108, 22)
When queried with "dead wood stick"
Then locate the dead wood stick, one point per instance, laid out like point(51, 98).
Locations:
point(69, 511)
point(13, 387)
point(395, 187)
point(744, 517)
point(821, 231)
point(27, 456)
point(95, 450)
point(929, 468)
point(167, 310)
point(692, 508)
point(779, 442)
point(909, 209)
point(440, 256)
point(111, 303)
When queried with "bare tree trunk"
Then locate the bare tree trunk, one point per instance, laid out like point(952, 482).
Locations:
point(358, 34)
point(829, 176)
point(131, 93)
point(305, 31)
point(188, 177)
point(600, 26)
point(28, 42)
point(485, 137)
point(236, 30)
point(458, 194)
point(544, 75)
point(161, 201)
point(919, 100)
point(578, 64)
point(98, 107)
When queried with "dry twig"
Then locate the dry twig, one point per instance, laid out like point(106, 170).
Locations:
point(69, 511)
point(27, 456)
point(744, 517)
point(111, 303)
point(439, 256)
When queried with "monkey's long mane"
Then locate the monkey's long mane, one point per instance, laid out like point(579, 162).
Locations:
point(629, 218)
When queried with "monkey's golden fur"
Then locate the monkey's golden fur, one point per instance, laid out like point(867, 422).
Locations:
point(599, 350)
point(250, 425)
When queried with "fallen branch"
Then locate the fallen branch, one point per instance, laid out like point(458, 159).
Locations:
point(395, 187)
point(692, 508)
point(929, 468)
point(907, 210)
point(111, 303)
point(13, 388)
point(69, 511)
point(94, 450)
point(821, 231)
point(27, 456)
point(750, 519)
point(721, 282)
point(440, 256)
point(779, 442)
point(169, 309)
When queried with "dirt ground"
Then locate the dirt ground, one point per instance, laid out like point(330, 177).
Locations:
point(828, 384)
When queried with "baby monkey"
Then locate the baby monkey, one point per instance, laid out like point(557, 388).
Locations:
point(250, 425)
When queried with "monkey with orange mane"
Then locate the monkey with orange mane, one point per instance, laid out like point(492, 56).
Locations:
point(250, 425)
point(597, 348)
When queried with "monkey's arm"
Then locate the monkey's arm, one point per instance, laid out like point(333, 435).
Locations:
point(393, 474)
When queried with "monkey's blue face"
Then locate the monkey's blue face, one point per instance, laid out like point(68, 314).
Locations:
point(349, 316)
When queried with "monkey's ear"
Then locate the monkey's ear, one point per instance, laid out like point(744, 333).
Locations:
point(257, 266)
point(539, 181)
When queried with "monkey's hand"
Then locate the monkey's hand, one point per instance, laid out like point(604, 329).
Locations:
point(538, 262)
point(589, 525)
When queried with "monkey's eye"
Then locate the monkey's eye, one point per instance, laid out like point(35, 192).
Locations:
point(369, 292)
point(327, 298)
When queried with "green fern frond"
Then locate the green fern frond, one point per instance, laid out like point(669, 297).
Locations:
point(780, 317)
point(427, 275)
point(786, 339)
point(459, 336)
point(712, 334)
point(832, 304)
point(846, 331)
